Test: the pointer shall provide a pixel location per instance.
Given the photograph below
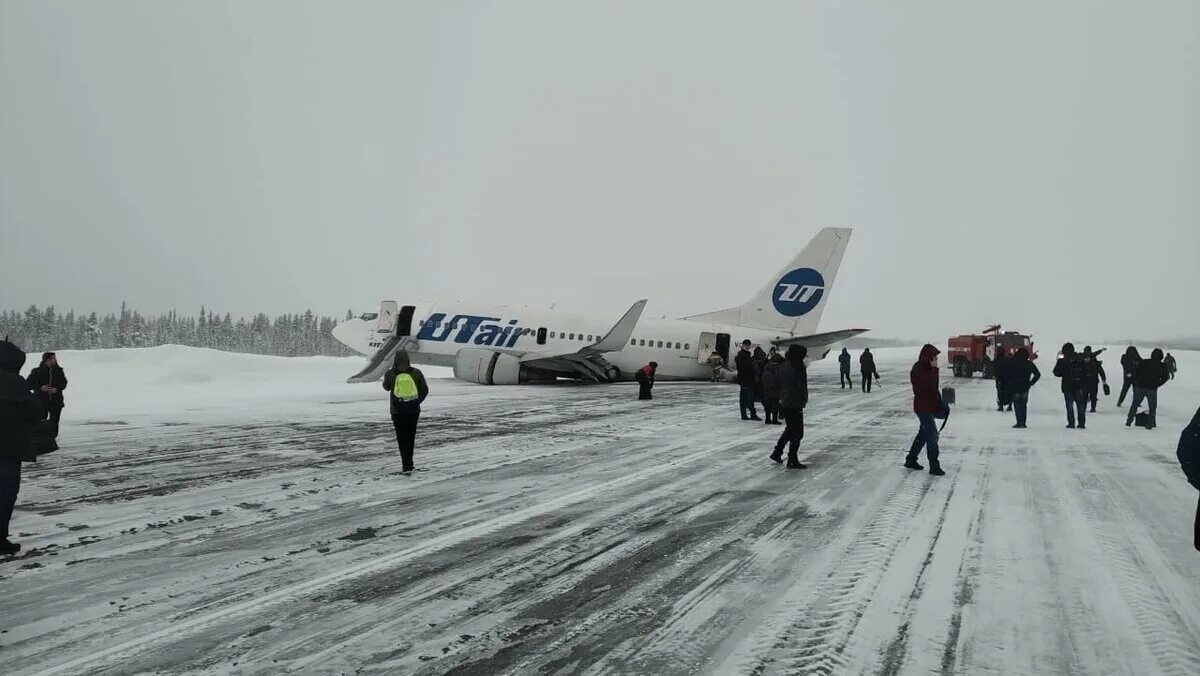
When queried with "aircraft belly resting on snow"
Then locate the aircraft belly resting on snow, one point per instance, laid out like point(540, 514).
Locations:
point(502, 345)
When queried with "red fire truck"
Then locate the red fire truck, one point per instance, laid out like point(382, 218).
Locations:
point(976, 352)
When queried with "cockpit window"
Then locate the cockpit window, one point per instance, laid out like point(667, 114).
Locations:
point(369, 316)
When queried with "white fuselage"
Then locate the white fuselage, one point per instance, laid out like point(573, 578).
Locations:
point(681, 347)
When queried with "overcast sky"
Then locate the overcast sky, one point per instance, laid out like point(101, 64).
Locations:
point(1034, 163)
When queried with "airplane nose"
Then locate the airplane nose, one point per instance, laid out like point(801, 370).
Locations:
point(346, 332)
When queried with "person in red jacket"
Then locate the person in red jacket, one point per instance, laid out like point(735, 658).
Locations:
point(927, 401)
point(645, 380)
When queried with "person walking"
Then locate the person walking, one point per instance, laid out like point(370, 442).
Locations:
point(407, 389)
point(1074, 376)
point(794, 379)
point(19, 414)
point(1151, 375)
point(844, 368)
point(866, 368)
point(47, 381)
point(645, 381)
point(1023, 374)
point(772, 387)
point(1000, 373)
point(927, 402)
point(1188, 453)
point(1129, 364)
point(1093, 376)
point(744, 362)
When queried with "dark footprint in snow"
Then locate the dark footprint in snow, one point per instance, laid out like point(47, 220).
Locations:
point(360, 534)
point(249, 505)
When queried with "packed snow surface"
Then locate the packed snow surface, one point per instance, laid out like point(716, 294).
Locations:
point(238, 514)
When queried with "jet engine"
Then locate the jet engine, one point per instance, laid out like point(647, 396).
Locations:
point(487, 367)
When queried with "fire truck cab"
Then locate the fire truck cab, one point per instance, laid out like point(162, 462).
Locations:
point(973, 353)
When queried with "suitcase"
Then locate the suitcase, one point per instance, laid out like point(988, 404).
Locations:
point(43, 438)
point(1142, 420)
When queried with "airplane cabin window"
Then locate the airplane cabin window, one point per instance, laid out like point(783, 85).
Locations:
point(687, 346)
point(572, 337)
point(589, 337)
point(633, 341)
point(660, 343)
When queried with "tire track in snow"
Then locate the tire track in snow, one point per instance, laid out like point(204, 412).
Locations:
point(818, 621)
point(216, 602)
point(616, 617)
point(1137, 564)
point(184, 627)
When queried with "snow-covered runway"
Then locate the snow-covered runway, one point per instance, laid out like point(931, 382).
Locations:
point(572, 529)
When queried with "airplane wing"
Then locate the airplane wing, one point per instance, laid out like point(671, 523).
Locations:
point(587, 360)
point(613, 341)
point(818, 339)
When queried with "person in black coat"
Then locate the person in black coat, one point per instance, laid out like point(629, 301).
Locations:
point(844, 368)
point(772, 387)
point(1022, 375)
point(1094, 372)
point(1129, 364)
point(407, 390)
point(758, 360)
point(794, 379)
point(47, 381)
point(1074, 376)
point(1151, 375)
point(1000, 373)
point(1189, 458)
point(747, 383)
point(866, 367)
point(19, 414)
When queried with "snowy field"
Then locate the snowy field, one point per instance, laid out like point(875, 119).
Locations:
point(215, 513)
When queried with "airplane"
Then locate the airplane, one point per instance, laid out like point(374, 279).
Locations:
point(504, 345)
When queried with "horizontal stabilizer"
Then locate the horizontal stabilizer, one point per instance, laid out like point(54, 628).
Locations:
point(819, 339)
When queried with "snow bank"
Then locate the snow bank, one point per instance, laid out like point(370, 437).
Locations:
point(173, 383)
point(183, 384)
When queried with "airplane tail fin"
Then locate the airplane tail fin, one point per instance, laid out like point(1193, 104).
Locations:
point(793, 299)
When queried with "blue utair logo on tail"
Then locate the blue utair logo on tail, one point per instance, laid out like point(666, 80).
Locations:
point(798, 292)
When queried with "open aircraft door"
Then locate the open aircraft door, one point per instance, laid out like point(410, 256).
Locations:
point(389, 312)
point(713, 342)
point(393, 331)
point(706, 345)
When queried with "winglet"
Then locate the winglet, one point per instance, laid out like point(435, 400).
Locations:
point(618, 336)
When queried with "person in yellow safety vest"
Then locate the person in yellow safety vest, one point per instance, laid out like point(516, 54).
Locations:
point(406, 390)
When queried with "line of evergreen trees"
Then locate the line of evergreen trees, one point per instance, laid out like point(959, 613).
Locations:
point(289, 335)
